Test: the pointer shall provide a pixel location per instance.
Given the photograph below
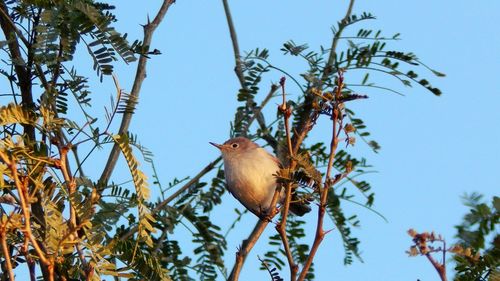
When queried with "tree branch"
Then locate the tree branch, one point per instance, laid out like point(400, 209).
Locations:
point(281, 226)
point(5, 250)
point(331, 57)
point(23, 76)
point(22, 189)
point(329, 182)
point(236, 49)
point(306, 122)
point(140, 75)
point(196, 178)
point(246, 246)
point(440, 268)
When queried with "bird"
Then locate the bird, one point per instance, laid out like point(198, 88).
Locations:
point(250, 172)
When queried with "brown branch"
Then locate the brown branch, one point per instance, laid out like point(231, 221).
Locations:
point(140, 75)
point(329, 182)
point(22, 189)
point(70, 182)
point(331, 57)
point(196, 178)
point(246, 247)
point(281, 226)
point(306, 121)
point(11, 35)
point(5, 251)
point(163, 203)
point(236, 49)
point(248, 243)
point(440, 268)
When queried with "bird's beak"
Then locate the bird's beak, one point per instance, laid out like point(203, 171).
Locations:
point(219, 146)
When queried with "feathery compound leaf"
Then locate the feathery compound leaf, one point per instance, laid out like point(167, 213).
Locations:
point(304, 162)
point(12, 114)
point(141, 187)
point(210, 243)
point(127, 103)
point(148, 266)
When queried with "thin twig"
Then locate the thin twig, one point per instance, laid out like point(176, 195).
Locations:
point(140, 75)
point(23, 76)
point(70, 182)
point(196, 178)
point(264, 102)
point(440, 268)
point(236, 49)
point(281, 226)
point(24, 200)
point(329, 182)
point(163, 203)
point(246, 247)
point(248, 244)
point(5, 251)
point(335, 41)
point(305, 126)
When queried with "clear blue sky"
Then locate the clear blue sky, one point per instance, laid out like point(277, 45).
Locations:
point(433, 148)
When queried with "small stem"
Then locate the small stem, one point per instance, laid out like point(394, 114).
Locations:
point(140, 75)
point(24, 199)
point(320, 233)
point(440, 268)
point(196, 178)
point(281, 227)
point(70, 181)
point(5, 250)
point(335, 41)
point(287, 112)
point(236, 49)
point(246, 246)
point(163, 203)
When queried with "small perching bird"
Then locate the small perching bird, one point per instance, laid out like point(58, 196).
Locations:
point(250, 176)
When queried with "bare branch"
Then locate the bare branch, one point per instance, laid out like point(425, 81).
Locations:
point(281, 226)
point(12, 34)
point(236, 49)
point(5, 251)
point(246, 246)
point(140, 75)
point(329, 182)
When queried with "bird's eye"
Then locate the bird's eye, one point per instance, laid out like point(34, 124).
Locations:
point(235, 145)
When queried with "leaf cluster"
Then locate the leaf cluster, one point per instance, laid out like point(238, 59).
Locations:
point(480, 259)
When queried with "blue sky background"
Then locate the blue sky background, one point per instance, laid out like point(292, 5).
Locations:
point(434, 149)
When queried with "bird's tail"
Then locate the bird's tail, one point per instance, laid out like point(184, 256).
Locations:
point(300, 208)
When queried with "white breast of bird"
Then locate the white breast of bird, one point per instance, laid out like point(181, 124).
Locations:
point(250, 178)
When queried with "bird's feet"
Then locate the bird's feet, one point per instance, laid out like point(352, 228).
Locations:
point(266, 215)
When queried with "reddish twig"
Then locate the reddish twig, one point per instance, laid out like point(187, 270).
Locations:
point(246, 246)
point(329, 182)
point(281, 226)
point(421, 246)
point(22, 189)
point(5, 250)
